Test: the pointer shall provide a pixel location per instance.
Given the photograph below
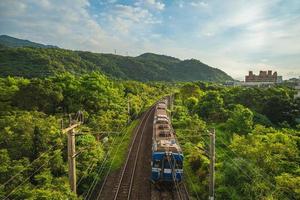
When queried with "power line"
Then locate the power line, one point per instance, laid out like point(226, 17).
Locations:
point(26, 168)
point(110, 167)
point(12, 191)
point(99, 171)
point(174, 179)
point(251, 168)
point(102, 168)
point(88, 170)
point(193, 186)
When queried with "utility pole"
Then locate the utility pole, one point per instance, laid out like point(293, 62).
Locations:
point(71, 160)
point(128, 110)
point(171, 101)
point(71, 148)
point(212, 165)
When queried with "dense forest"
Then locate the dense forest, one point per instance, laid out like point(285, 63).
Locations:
point(33, 158)
point(257, 135)
point(26, 60)
point(257, 129)
point(257, 140)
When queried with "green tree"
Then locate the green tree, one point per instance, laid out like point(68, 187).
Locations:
point(190, 90)
point(41, 95)
point(211, 107)
point(39, 144)
point(191, 104)
point(240, 120)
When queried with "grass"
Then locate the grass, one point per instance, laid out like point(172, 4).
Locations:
point(119, 150)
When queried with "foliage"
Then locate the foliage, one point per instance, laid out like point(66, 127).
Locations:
point(257, 140)
point(42, 62)
point(211, 107)
point(33, 153)
point(240, 120)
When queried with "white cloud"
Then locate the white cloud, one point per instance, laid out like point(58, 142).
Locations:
point(64, 23)
point(200, 4)
point(247, 33)
point(12, 8)
point(154, 4)
point(234, 36)
point(124, 20)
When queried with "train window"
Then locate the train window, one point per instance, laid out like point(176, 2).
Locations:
point(161, 134)
point(161, 127)
point(178, 164)
point(157, 163)
point(168, 163)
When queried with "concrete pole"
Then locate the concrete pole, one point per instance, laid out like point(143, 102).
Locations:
point(169, 102)
point(71, 160)
point(172, 101)
point(212, 166)
point(128, 110)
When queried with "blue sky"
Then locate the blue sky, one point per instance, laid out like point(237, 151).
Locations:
point(233, 35)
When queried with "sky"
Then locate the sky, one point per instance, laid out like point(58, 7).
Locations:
point(233, 35)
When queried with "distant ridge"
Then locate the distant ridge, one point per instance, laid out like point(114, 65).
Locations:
point(46, 60)
point(9, 41)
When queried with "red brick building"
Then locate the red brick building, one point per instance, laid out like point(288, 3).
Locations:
point(264, 76)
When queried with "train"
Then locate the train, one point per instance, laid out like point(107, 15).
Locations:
point(167, 156)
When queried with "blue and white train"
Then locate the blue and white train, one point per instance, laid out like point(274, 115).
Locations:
point(167, 157)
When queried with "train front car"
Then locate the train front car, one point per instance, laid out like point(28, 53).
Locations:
point(167, 157)
point(166, 165)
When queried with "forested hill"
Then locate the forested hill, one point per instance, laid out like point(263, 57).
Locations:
point(37, 62)
point(9, 41)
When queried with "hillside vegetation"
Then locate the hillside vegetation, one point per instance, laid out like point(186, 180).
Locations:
point(40, 62)
point(33, 150)
point(257, 140)
point(15, 42)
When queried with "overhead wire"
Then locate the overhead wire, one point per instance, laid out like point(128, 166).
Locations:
point(100, 169)
point(12, 191)
point(253, 170)
point(190, 180)
point(110, 167)
point(27, 167)
point(174, 179)
point(92, 164)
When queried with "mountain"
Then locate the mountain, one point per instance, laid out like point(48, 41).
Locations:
point(9, 41)
point(37, 62)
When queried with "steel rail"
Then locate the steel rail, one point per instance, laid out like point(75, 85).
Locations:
point(143, 122)
point(137, 155)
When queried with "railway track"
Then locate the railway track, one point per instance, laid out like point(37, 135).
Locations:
point(168, 193)
point(123, 187)
point(132, 181)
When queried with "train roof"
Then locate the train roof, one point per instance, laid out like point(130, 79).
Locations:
point(161, 106)
point(160, 112)
point(169, 145)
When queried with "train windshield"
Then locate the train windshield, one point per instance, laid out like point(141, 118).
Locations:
point(169, 162)
point(157, 163)
point(178, 164)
